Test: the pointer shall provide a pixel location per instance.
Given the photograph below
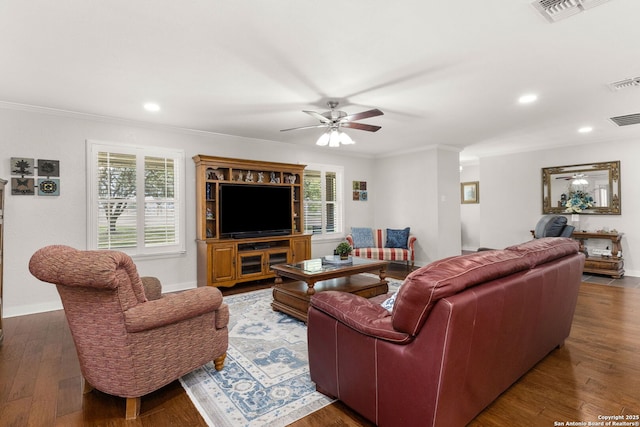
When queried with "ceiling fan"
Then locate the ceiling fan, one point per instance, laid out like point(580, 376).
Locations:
point(579, 176)
point(335, 119)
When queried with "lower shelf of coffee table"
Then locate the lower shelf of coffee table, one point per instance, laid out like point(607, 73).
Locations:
point(292, 298)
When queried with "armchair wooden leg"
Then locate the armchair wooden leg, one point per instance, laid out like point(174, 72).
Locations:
point(86, 386)
point(133, 408)
point(219, 362)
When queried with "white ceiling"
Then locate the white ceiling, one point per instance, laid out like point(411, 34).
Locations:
point(443, 72)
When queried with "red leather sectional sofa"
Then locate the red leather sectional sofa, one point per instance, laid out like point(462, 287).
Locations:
point(462, 331)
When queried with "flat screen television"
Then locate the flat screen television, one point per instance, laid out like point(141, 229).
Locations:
point(254, 210)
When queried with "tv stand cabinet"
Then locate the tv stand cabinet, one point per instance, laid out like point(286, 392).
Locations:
point(224, 261)
point(227, 262)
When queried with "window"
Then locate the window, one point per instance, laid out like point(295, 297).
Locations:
point(323, 207)
point(135, 199)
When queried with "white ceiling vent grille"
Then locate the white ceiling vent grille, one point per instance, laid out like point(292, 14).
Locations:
point(555, 10)
point(629, 119)
point(625, 84)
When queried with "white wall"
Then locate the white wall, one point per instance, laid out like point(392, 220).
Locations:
point(470, 213)
point(32, 222)
point(421, 190)
point(511, 195)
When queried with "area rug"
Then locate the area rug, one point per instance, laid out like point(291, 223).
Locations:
point(265, 380)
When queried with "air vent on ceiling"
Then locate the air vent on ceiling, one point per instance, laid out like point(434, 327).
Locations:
point(625, 84)
point(629, 119)
point(555, 10)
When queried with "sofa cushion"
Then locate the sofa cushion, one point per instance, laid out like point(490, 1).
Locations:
point(539, 251)
point(397, 238)
point(389, 302)
point(389, 254)
point(362, 237)
point(440, 279)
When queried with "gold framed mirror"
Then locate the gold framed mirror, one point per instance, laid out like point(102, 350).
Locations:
point(591, 189)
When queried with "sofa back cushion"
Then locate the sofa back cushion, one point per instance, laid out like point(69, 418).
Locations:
point(362, 237)
point(440, 279)
point(546, 249)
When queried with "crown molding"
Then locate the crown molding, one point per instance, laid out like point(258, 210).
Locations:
point(424, 148)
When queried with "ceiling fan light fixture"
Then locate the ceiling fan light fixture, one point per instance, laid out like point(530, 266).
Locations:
point(334, 138)
point(345, 139)
point(323, 140)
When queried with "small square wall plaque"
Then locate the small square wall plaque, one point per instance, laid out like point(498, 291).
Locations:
point(48, 187)
point(48, 167)
point(22, 166)
point(22, 186)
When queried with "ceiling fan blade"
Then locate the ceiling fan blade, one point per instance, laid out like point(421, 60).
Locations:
point(364, 115)
point(361, 126)
point(323, 125)
point(318, 116)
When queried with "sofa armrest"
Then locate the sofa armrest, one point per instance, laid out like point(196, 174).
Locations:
point(359, 314)
point(349, 239)
point(172, 308)
point(411, 242)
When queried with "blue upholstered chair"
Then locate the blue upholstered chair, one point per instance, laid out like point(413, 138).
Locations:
point(553, 226)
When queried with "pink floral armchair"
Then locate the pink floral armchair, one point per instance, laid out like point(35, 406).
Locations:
point(129, 344)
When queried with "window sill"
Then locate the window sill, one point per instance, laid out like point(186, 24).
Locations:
point(332, 237)
point(159, 255)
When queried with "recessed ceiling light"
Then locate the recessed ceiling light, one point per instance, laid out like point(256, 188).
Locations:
point(152, 107)
point(585, 129)
point(528, 98)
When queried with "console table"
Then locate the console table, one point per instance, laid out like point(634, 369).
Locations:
point(602, 264)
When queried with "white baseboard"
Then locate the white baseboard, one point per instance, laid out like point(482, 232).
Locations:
point(44, 307)
point(26, 309)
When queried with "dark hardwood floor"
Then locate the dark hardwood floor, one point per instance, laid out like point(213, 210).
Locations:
point(595, 373)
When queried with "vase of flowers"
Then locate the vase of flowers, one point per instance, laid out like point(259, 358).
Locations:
point(578, 201)
point(343, 249)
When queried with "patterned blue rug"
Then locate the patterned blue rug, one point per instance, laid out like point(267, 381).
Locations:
point(265, 380)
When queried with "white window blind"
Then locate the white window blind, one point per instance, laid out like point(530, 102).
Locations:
point(135, 204)
point(323, 199)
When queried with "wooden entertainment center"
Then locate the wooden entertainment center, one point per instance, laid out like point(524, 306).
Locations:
point(226, 261)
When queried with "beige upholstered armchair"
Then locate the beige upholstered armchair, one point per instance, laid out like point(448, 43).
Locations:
point(128, 344)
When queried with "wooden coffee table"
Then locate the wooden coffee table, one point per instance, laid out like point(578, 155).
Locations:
point(317, 275)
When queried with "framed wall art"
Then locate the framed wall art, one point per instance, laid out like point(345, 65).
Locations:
point(24, 169)
point(470, 192)
point(360, 191)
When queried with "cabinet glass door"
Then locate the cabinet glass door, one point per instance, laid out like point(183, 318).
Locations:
point(250, 264)
point(281, 257)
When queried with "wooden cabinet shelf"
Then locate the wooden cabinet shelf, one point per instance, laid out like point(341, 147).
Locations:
point(610, 265)
point(225, 261)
